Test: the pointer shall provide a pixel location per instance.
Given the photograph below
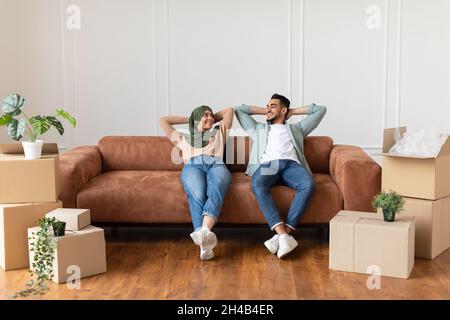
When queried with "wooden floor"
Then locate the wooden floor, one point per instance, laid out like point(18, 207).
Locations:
point(155, 263)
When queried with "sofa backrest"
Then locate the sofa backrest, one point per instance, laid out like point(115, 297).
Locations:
point(317, 153)
point(139, 153)
point(158, 153)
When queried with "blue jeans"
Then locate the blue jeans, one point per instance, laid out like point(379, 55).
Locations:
point(291, 174)
point(205, 180)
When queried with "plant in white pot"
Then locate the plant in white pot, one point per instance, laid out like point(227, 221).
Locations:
point(33, 127)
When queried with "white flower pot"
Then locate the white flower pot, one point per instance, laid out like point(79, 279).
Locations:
point(32, 150)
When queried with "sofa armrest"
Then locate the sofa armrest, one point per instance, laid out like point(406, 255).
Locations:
point(357, 175)
point(76, 168)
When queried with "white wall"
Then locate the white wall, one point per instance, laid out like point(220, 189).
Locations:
point(31, 57)
point(134, 60)
point(8, 78)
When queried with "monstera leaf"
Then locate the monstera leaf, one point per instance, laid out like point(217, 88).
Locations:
point(33, 126)
point(12, 104)
point(65, 115)
point(16, 129)
point(40, 124)
point(56, 123)
point(5, 120)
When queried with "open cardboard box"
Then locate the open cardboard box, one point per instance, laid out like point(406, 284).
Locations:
point(24, 181)
point(416, 177)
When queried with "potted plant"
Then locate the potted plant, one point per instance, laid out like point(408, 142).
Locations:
point(42, 246)
point(31, 126)
point(391, 203)
point(59, 228)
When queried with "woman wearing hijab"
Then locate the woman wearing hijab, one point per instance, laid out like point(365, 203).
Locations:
point(205, 176)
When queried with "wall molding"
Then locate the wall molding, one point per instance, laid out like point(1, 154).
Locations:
point(302, 53)
point(290, 53)
point(392, 51)
point(169, 107)
point(155, 73)
point(399, 60)
point(63, 57)
point(386, 65)
point(162, 57)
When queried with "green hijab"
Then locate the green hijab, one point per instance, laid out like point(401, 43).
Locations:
point(196, 138)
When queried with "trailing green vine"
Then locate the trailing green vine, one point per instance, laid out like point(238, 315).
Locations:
point(42, 246)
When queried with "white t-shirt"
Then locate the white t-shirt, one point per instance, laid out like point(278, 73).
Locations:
point(279, 145)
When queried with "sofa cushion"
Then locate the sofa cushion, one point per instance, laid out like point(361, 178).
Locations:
point(240, 203)
point(158, 197)
point(139, 153)
point(135, 197)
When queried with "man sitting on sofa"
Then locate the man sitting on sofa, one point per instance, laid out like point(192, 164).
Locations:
point(277, 157)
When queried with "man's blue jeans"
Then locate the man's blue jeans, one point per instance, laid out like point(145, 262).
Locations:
point(205, 180)
point(291, 174)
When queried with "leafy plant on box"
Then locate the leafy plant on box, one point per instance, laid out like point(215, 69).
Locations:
point(391, 202)
point(19, 124)
point(42, 247)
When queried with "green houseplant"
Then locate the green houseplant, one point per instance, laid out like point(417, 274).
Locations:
point(391, 203)
point(59, 228)
point(19, 124)
point(42, 248)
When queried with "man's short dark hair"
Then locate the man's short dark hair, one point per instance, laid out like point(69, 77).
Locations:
point(284, 102)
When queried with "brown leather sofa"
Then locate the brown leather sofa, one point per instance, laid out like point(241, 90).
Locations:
point(133, 180)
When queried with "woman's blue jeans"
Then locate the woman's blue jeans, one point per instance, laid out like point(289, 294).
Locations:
point(205, 180)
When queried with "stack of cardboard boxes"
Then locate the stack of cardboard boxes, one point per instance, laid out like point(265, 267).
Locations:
point(424, 182)
point(80, 252)
point(362, 242)
point(28, 190)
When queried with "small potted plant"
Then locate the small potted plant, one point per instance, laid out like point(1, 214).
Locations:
point(42, 247)
point(391, 203)
point(59, 228)
point(31, 126)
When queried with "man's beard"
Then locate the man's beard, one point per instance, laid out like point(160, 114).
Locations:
point(271, 120)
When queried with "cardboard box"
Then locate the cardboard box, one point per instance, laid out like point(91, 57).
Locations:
point(415, 177)
point(84, 249)
point(359, 240)
point(15, 219)
point(75, 219)
point(25, 181)
point(432, 220)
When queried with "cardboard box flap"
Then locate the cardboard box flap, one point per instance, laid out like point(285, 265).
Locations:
point(16, 148)
point(445, 150)
point(389, 137)
point(405, 156)
point(389, 141)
